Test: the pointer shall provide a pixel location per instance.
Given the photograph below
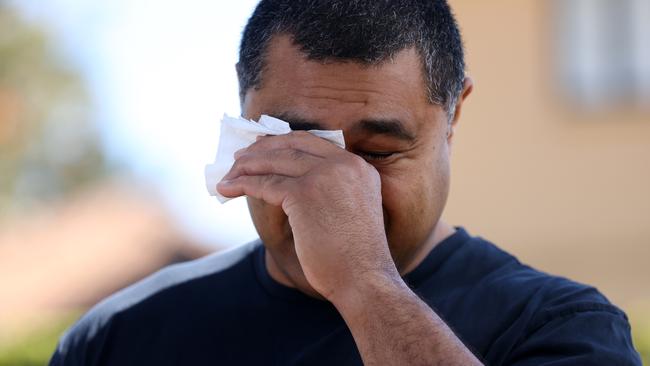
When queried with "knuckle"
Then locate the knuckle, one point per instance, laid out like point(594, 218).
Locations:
point(269, 181)
point(358, 162)
point(243, 158)
point(299, 138)
point(261, 142)
point(266, 182)
point(241, 161)
point(296, 154)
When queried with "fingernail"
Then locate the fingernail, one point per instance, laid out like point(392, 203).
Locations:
point(224, 182)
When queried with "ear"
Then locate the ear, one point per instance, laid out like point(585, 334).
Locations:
point(468, 86)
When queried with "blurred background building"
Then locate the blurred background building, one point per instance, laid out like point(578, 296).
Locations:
point(109, 110)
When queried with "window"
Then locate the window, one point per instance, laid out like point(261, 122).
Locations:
point(602, 50)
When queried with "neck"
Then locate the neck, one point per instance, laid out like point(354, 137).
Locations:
point(275, 272)
point(441, 232)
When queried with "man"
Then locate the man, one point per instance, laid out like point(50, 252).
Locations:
point(354, 264)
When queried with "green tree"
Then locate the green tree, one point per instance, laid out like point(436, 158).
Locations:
point(48, 147)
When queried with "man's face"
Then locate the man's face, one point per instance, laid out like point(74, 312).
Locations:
point(386, 119)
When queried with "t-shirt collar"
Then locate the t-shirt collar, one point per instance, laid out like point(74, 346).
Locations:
point(424, 270)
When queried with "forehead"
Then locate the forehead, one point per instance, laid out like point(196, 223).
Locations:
point(336, 93)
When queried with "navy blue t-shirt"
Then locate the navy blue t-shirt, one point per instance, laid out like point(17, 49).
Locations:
point(225, 309)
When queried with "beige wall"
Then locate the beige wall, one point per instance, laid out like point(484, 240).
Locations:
point(565, 190)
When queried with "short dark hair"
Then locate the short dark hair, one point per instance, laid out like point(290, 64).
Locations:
point(364, 31)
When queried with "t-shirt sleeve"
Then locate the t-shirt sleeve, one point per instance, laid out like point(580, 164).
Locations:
point(591, 334)
point(81, 344)
point(58, 359)
point(66, 356)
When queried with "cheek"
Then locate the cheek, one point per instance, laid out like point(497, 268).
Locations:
point(407, 198)
point(270, 221)
point(413, 198)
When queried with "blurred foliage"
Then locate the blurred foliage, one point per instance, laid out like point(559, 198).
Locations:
point(36, 348)
point(641, 335)
point(48, 147)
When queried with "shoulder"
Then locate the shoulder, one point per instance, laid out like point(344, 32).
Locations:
point(91, 328)
point(502, 281)
point(482, 266)
point(528, 316)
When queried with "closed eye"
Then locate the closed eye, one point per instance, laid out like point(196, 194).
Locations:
point(375, 156)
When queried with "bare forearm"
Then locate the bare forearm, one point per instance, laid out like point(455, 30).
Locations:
point(392, 326)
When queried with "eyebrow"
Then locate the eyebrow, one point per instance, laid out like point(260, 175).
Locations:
point(390, 127)
point(297, 123)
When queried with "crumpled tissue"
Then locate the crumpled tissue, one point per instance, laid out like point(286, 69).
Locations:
point(239, 133)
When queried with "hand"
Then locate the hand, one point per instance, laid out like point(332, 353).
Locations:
point(333, 202)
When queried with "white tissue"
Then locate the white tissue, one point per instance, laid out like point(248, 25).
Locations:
point(238, 133)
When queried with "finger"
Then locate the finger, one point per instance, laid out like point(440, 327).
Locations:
point(297, 140)
point(272, 189)
point(287, 162)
